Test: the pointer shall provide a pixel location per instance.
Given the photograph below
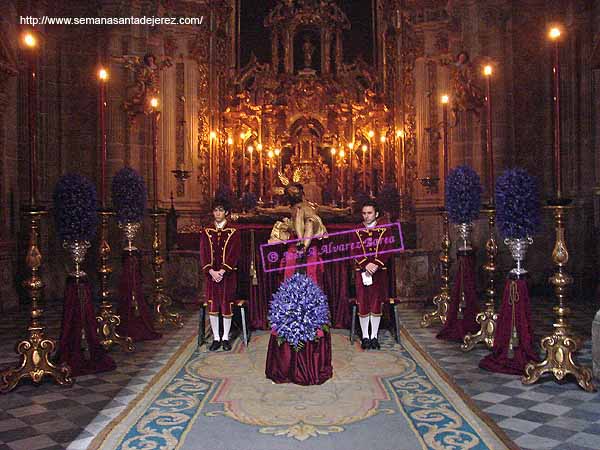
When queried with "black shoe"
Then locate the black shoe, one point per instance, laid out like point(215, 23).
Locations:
point(226, 345)
point(216, 345)
point(365, 344)
point(375, 344)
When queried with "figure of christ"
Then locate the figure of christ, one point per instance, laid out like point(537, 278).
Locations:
point(305, 225)
point(219, 254)
point(371, 277)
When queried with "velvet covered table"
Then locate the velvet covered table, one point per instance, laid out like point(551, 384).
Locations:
point(309, 366)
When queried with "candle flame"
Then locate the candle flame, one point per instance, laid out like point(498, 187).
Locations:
point(554, 33)
point(333, 151)
point(277, 151)
point(229, 141)
point(400, 133)
point(382, 139)
point(342, 153)
point(445, 99)
point(154, 102)
point(29, 40)
point(364, 147)
point(103, 74)
point(350, 145)
point(270, 154)
point(250, 148)
point(213, 135)
point(371, 133)
point(259, 147)
point(242, 135)
point(487, 70)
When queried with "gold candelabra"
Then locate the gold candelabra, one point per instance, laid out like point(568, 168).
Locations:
point(442, 300)
point(161, 301)
point(36, 349)
point(561, 345)
point(106, 320)
point(487, 319)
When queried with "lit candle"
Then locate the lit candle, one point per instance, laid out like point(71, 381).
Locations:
point(342, 154)
point(351, 169)
point(487, 71)
point(554, 36)
point(364, 168)
point(243, 164)
point(155, 118)
point(261, 183)
point(250, 175)
point(445, 99)
point(371, 134)
point(103, 77)
point(382, 139)
point(271, 154)
point(279, 156)
point(30, 42)
point(230, 149)
point(402, 165)
point(333, 152)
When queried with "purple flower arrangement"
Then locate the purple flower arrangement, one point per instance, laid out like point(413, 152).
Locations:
point(299, 312)
point(76, 208)
point(129, 195)
point(463, 195)
point(517, 204)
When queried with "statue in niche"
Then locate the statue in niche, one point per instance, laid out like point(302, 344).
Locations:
point(146, 72)
point(308, 48)
point(467, 96)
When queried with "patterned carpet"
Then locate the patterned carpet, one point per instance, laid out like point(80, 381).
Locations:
point(224, 401)
point(544, 416)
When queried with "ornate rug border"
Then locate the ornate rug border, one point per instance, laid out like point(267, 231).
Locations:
point(120, 425)
point(427, 361)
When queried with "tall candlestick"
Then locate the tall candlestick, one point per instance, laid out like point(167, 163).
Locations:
point(383, 159)
point(371, 134)
point(278, 157)
point(488, 74)
point(333, 187)
point(271, 154)
point(554, 35)
point(31, 43)
point(230, 162)
point(342, 178)
point(261, 184)
point(351, 170)
point(103, 76)
point(364, 168)
point(445, 100)
point(155, 119)
point(250, 175)
point(243, 164)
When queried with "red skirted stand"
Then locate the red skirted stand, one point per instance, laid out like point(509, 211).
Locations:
point(515, 309)
point(311, 365)
point(84, 356)
point(136, 317)
point(456, 328)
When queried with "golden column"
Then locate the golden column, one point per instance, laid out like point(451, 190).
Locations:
point(442, 300)
point(161, 301)
point(36, 348)
point(561, 345)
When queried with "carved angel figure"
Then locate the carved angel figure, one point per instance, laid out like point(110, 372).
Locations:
point(467, 95)
point(146, 72)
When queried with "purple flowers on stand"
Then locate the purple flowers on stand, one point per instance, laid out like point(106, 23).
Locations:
point(298, 311)
point(129, 196)
point(76, 210)
point(517, 204)
point(463, 195)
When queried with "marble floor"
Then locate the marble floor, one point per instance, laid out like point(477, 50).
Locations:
point(546, 415)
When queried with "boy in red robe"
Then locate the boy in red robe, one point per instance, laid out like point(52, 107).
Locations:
point(371, 277)
point(219, 254)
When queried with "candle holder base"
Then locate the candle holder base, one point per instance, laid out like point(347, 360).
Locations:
point(107, 323)
point(162, 314)
point(441, 302)
point(488, 321)
point(560, 349)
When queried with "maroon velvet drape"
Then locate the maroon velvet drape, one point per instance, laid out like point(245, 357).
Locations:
point(78, 319)
point(498, 360)
point(309, 366)
point(455, 329)
point(137, 324)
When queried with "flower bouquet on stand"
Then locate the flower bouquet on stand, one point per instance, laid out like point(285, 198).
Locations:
point(463, 203)
point(518, 218)
point(129, 197)
point(300, 345)
point(76, 217)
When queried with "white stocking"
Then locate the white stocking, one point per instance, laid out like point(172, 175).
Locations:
point(364, 326)
point(214, 325)
point(374, 325)
point(226, 328)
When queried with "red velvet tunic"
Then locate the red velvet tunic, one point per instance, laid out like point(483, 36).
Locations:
point(220, 249)
point(366, 241)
